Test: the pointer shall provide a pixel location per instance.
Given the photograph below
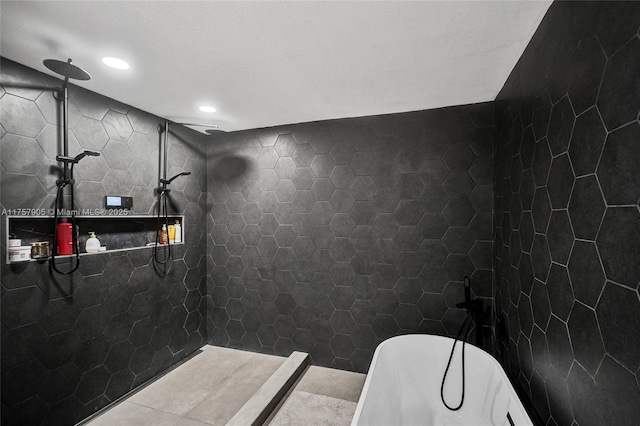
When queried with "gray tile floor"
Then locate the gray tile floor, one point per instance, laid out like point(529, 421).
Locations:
point(212, 386)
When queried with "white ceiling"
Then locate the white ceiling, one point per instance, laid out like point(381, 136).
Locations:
point(269, 63)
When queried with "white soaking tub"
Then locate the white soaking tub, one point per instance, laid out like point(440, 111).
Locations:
point(403, 386)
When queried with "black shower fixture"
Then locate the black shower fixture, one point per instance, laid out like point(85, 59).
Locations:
point(67, 70)
point(164, 182)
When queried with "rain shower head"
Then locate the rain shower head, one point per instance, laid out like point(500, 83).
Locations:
point(66, 69)
point(213, 132)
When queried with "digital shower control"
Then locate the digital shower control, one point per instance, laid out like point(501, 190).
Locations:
point(117, 202)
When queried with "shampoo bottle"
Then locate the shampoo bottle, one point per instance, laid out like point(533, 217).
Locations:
point(163, 238)
point(93, 244)
point(178, 237)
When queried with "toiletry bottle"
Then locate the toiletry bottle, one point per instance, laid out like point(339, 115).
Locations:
point(172, 233)
point(163, 238)
point(178, 238)
point(93, 244)
point(64, 238)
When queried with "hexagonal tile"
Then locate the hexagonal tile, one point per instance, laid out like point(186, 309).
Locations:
point(587, 277)
point(617, 170)
point(267, 246)
point(621, 229)
point(541, 113)
point(458, 184)
point(342, 200)
point(117, 126)
point(385, 175)
point(90, 133)
point(457, 266)
point(363, 188)
point(321, 141)
point(48, 140)
point(432, 199)
point(560, 182)
point(619, 304)
point(21, 154)
point(95, 170)
point(21, 116)
point(619, 100)
point(560, 351)
point(408, 316)
point(322, 189)
point(586, 207)
point(560, 126)
point(541, 210)
point(384, 251)
point(285, 167)
point(303, 155)
point(342, 153)
point(268, 224)
point(385, 200)
point(322, 236)
point(285, 236)
point(342, 225)
point(267, 202)
point(541, 257)
point(117, 154)
point(432, 305)
point(481, 198)
point(560, 291)
point(587, 141)
point(303, 178)
point(586, 75)
point(458, 240)
point(559, 236)
point(267, 158)
point(585, 338)
point(303, 247)
point(342, 176)
point(458, 157)
point(303, 200)
point(285, 213)
point(362, 163)
point(408, 160)
point(268, 180)
point(541, 162)
point(458, 212)
point(285, 145)
point(322, 213)
point(409, 238)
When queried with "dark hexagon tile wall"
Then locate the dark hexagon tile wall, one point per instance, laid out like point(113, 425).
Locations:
point(71, 345)
point(365, 230)
point(568, 118)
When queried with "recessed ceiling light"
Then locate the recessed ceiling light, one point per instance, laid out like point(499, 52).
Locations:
point(206, 108)
point(115, 63)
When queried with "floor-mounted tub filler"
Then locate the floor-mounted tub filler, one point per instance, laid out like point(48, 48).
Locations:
point(403, 386)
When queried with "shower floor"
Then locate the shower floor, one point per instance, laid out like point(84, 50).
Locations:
point(211, 387)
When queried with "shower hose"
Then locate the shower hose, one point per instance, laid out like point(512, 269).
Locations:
point(74, 237)
point(162, 205)
point(466, 324)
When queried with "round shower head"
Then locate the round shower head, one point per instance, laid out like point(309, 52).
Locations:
point(214, 132)
point(66, 69)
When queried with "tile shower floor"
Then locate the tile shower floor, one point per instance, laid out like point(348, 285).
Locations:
point(211, 387)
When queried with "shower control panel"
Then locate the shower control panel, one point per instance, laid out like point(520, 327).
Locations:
point(117, 202)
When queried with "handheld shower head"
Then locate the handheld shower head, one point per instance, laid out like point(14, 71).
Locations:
point(168, 181)
point(85, 153)
point(78, 157)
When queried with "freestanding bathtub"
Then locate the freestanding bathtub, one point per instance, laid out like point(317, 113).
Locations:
point(403, 386)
